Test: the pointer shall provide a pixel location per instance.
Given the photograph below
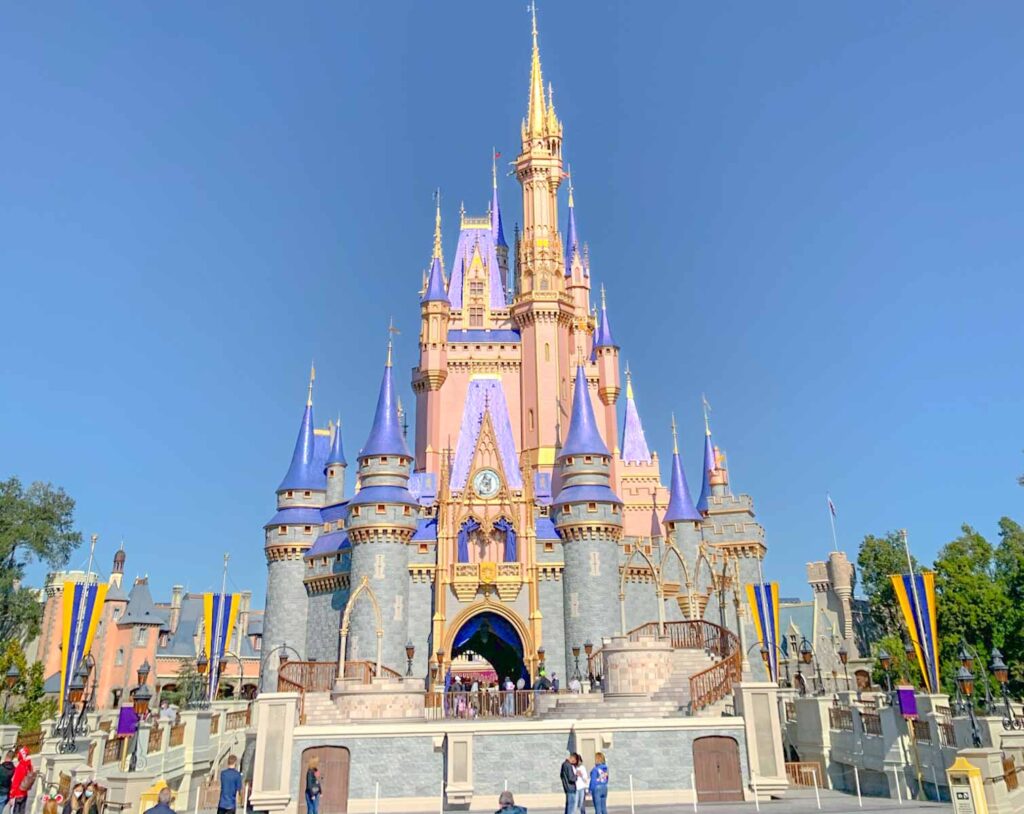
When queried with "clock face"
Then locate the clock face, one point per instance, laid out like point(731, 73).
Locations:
point(486, 483)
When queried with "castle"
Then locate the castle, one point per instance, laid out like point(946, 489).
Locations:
point(518, 523)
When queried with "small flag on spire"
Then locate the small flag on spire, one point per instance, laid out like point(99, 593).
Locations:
point(831, 505)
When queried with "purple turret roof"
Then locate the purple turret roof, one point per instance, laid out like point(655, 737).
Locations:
point(337, 453)
point(497, 229)
point(634, 442)
point(584, 438)
point(434, 291)
point(304, 472)
point(476, 236)
point(709, 465)
point(680, 503)
point(485, 396)
point(572, 242)
point(386, 432)
point(606, 340)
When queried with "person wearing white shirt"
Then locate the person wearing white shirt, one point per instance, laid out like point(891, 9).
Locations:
point(582, 781)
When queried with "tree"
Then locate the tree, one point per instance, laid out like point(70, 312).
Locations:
point(36, 524)
point(190, 686)
point(973, 605)
point(879, 558)
point(1009, 567)
point(28, 706)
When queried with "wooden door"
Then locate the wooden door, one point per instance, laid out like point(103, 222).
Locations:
point(334, 766)
point(716, 767)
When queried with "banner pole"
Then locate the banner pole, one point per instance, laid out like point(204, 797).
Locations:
point(768, 629)
point(918, 621)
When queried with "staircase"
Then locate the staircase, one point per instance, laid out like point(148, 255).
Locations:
point(319, 709)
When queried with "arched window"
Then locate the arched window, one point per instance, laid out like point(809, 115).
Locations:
point(529, 416)
point(547, 351)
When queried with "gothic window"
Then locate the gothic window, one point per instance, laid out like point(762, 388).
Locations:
point(574, 604)
point(476, 288)
point(398, 608)
point(529, 415)
point(476, 317)
point(545, 283)
point(141, 636)
point(378, 567)
point(119, 658)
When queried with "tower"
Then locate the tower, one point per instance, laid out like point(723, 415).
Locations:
point(117, 571)
point(588, 519)
point(381, 519)
point(606, 351)
point(498, 228)
point(543, 310)
point(287, 537)
point(435, 314)
point(682, 527)
point(336, 466)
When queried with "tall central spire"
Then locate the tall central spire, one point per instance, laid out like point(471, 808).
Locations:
point(536, 112)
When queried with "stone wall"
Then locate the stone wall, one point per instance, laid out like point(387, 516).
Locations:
point(635, 668)
point(285, 618)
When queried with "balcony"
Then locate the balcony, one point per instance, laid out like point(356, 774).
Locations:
point(504, 578)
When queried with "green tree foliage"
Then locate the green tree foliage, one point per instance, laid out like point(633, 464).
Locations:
point(879, 558)
point(903, 667)
point(189, 685)
point(27, 706)
point(36, 524)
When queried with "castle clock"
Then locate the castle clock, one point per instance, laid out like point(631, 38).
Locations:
point(486, 483)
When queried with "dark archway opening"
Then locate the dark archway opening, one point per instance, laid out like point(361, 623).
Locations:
point(495, 639)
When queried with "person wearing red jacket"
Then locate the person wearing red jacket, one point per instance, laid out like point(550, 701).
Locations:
point(22, 770)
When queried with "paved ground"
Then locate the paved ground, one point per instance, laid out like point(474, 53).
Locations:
point(795, 802)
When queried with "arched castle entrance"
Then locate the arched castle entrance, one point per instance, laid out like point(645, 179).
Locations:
point(494, 637)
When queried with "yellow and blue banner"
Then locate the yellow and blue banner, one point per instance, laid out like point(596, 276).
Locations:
point(764, 608)
point(916, 595)
point(219, 614)
point(82, 607)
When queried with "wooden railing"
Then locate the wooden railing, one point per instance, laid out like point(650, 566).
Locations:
point(33, 741)
point(306, 676)
point(177, 736)
point(156, 735)
point(807, 773)
point(237, 719)
point(112, 751)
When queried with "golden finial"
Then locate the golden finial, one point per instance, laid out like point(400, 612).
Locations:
point(391, 331)
point(629, 384)
point(312, 378)
point(707, 409)
point(437, 226)
point(535, 113)
point(494, 167)
point(604, 304)
point(675, 436)
point(568, 174)
point(462, 214)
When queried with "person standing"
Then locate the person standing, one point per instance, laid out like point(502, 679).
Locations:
point(313, 787)
point(6, 775)
point(163, 803)
point(568, 777)
point(599, 784)
point(582, 781)
point(22, 780)
point(230, 787)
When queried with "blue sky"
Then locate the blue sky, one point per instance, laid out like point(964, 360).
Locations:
point(811, 212)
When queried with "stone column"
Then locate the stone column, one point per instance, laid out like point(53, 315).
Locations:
point(758, 704)
point(275, 717)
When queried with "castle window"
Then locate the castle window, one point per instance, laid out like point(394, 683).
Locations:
point(309, 564)
point(615, 509)
point(307, 529)
point(289, 494)
point(327, 526)
point(141, 636)
point(119, 658)
point(588, 459)
point(330, 472)
point(647, 549)
point(591, 507)
point(306, 494)
point(476, 317)
point(547, 352)
point(549, 547)
point(423, 548)
point(383, 459)
point(381, 508)
point(323, 561)
point(529, 415)
point(476, 288)
point(341, 525)
point(671, 526)
point(355, 511)
point(406, 511)
point(628, 548)
point(282, 529)
point(568, 461)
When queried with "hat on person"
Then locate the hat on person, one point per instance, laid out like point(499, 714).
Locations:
point(23, 753)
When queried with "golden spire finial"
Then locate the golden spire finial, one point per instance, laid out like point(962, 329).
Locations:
point(437, 227)
point(604, 304)
point(391, 331)
point(568, 174)
point(312, 378)
point(388, 362)
point(675, 436)
point(707, 409)
point(462, 214)
point(629, 383)
point(536, 112)
point(494, 168)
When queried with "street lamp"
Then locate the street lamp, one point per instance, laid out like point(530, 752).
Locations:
point(68, 723)
point(965, 683)
point(588, 648)
point(1002, 674)
point(968, 655)
point(10, 679)
point(807, 656)
point(410, 652)
point(141, 696)
point(576, 658)
point(844, 657)
point(885, 660)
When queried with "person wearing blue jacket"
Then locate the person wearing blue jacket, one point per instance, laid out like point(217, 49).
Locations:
point(599, 784)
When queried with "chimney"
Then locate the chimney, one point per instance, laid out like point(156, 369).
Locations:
point(176, 594)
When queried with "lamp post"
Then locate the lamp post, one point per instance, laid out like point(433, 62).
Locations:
point(541, 652)
point(965, 683)
point(844, 657)
point(766, 655)
point(141, 696)
point(885, 660)
point(1002, 675)
point(968, 655)
point(68, 725)
point(410, 653)
point(576, 659)
point(10, 680)
point(195, 692)
point(807, 656)
point(440, 666)
point(588, 648)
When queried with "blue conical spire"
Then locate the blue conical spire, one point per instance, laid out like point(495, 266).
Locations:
point(302, 472)
point(584, 437)
point(572, 242)
point(680, 504)
point(337, 453)
point(386, 432)
point(497, 230)
point(709, 466)
point(435, 290)
point(606, 339)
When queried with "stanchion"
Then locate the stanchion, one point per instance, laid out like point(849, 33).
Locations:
point(817, 796)
point(632, 802)
point(376, 797)
point(757, 802)
point(896, 780)
point(935, 782)
point(856, 778)
point(693, 785)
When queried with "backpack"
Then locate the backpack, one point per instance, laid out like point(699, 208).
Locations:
point(29, 780)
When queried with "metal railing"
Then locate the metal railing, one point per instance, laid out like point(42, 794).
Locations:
point(922, 731)
point(481, 704)
point(872, 723)
point(947, 734)
point(840, 718)
point(806, 773)
point(156, 735)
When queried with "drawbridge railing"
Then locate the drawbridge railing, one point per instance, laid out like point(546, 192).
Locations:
point(711, 684)
point(319, 676)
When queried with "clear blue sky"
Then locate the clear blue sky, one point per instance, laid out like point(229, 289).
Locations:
point(811, 212)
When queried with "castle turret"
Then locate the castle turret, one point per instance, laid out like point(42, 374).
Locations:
point(498, 228)
point(682, 520)
point(287, 536)
point(634, 441)
point(709, 468)
point(435, 315)
point(588, 519)
point(609, 385)
point(577, 278)
point(380, 521)
point(336, 466)
point(117, 571)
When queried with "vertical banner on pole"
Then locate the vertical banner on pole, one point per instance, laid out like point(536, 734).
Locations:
point(916, 595)
point(764, 607)
point(219, 614)
point(82, 605)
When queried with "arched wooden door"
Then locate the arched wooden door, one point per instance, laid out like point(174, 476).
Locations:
point(334, 766)
point(716, 767)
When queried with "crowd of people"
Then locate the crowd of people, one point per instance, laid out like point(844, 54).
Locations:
point(471, 697)
point(578, 783)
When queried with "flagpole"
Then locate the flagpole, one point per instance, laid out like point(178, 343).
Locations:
point(769, 629)
point(215, 656)
point(73, 666)
point(918, 620)
point(832, 520)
